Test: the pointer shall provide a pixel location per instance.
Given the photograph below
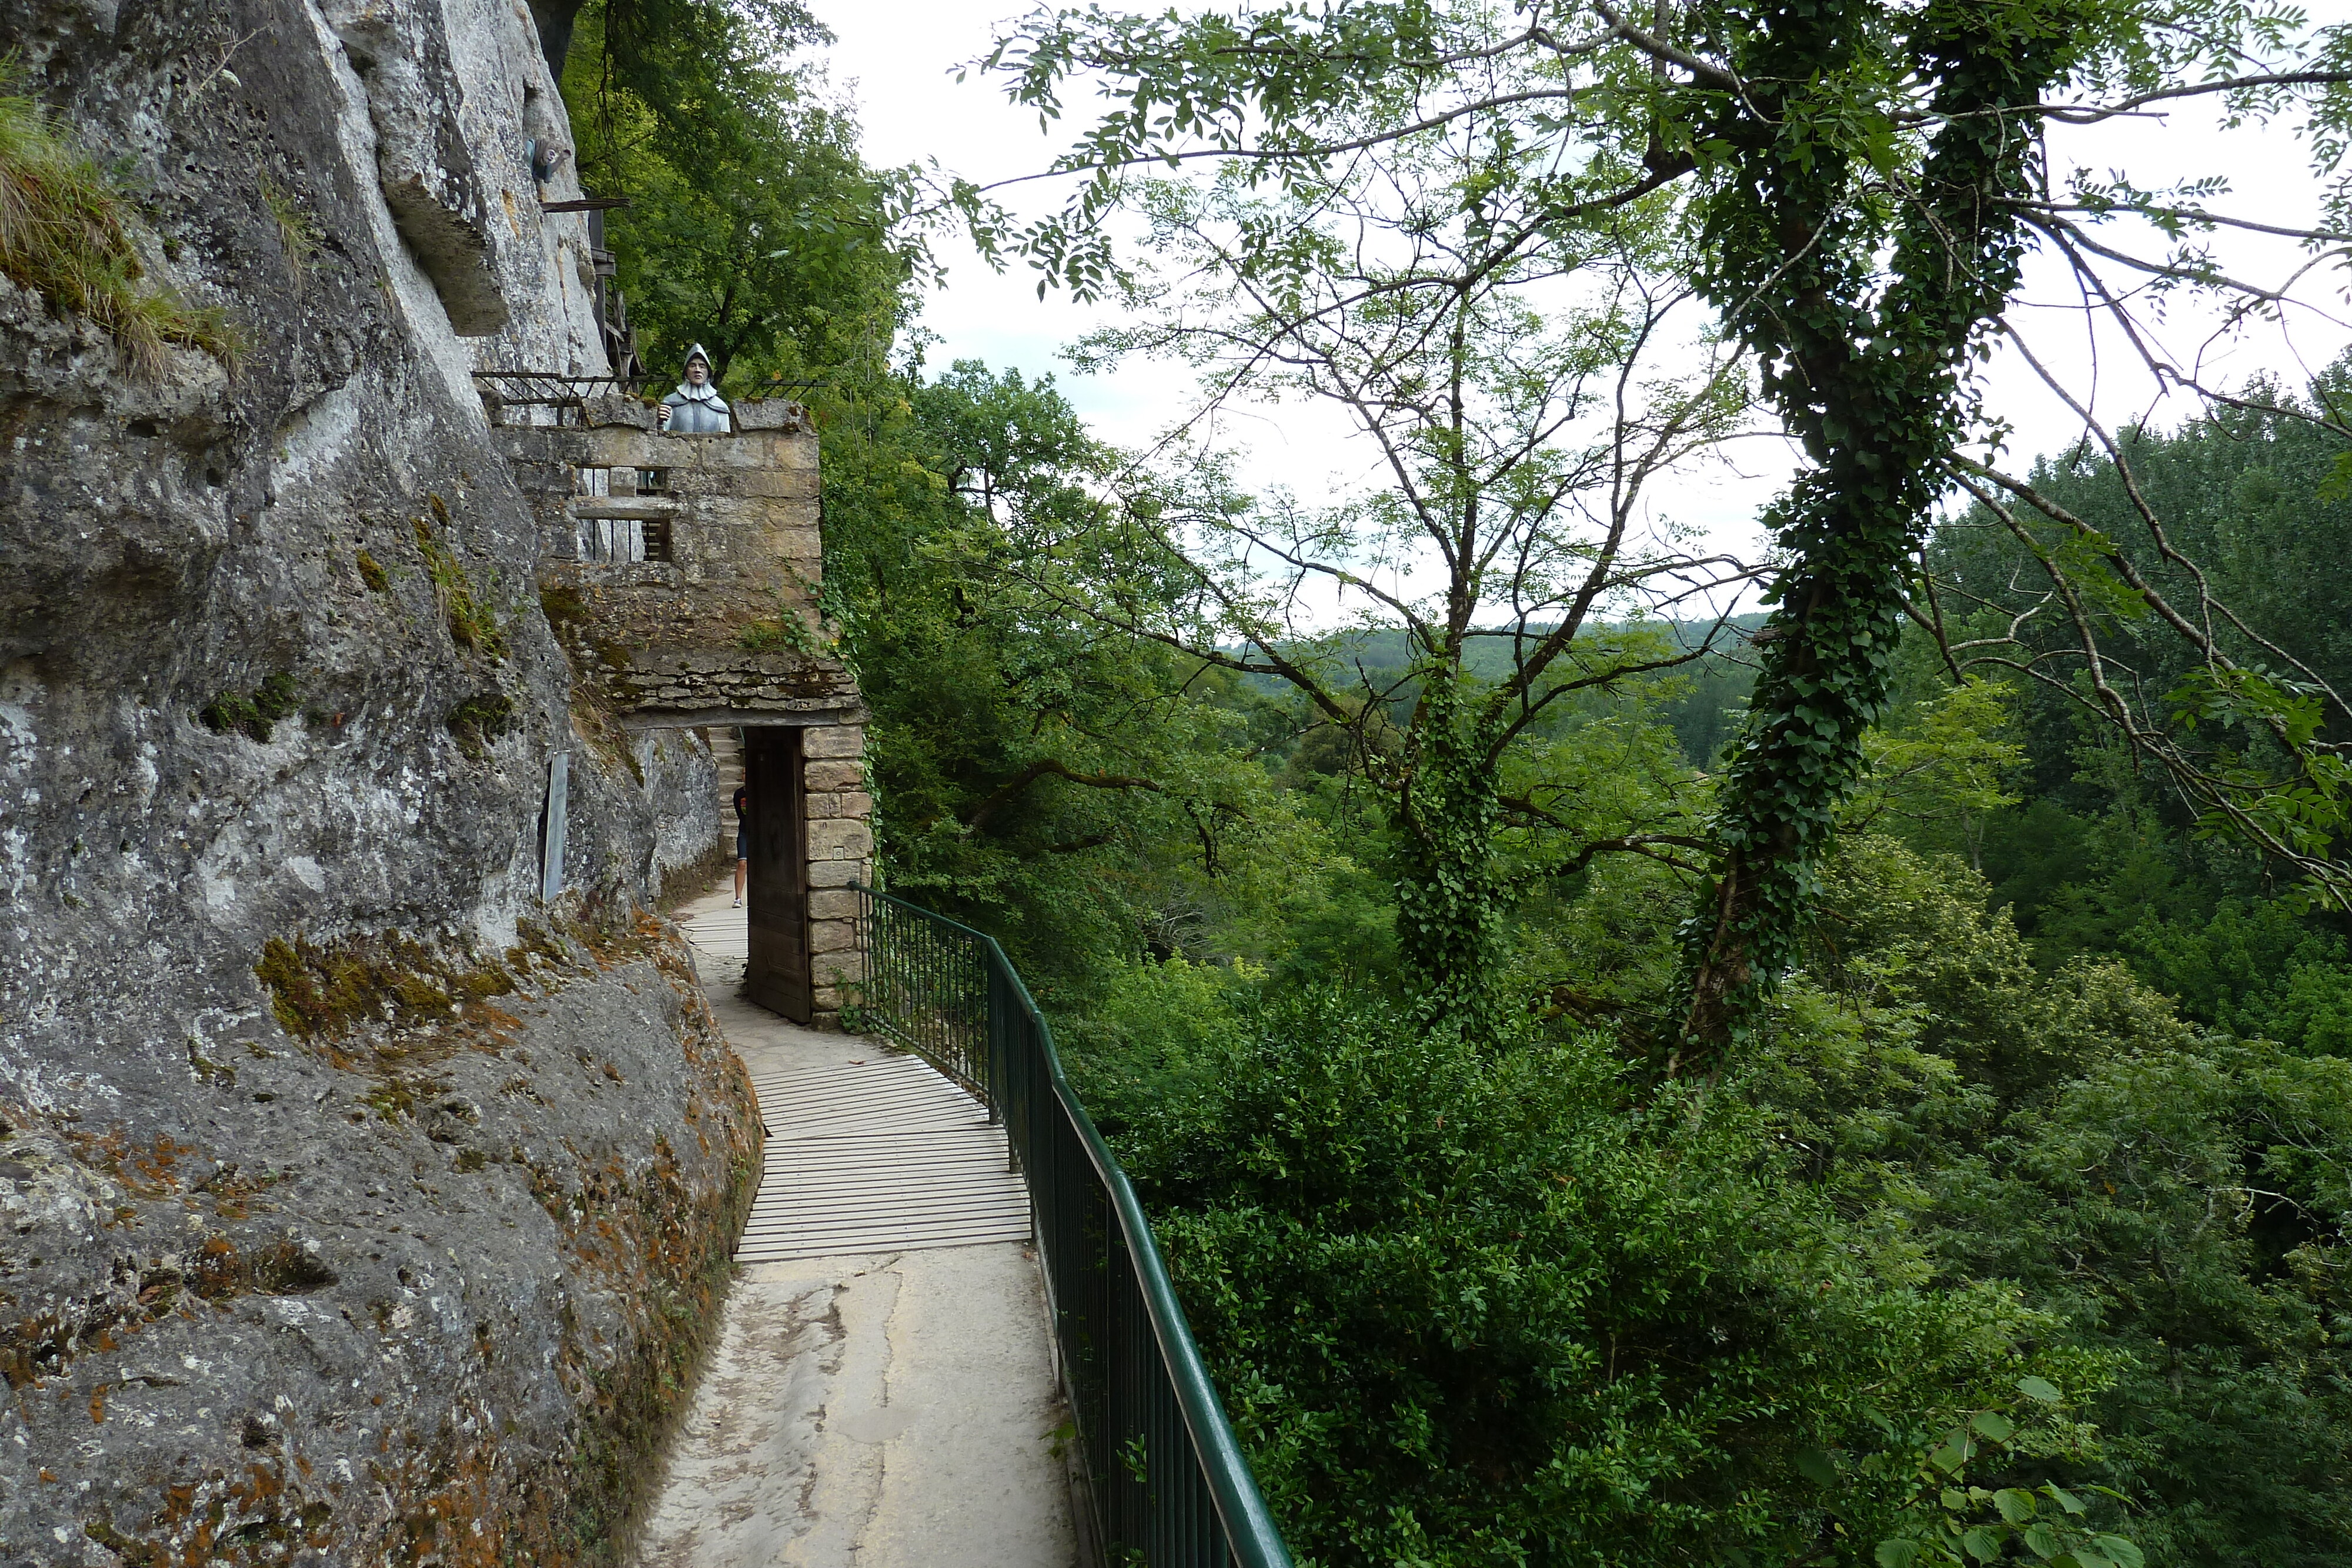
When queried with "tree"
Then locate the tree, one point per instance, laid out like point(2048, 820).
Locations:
point(1504, 376)
point(1086, 796)
point(1862, 179)
point(2173, 1198)
point(2176, 588)
point(754, 226)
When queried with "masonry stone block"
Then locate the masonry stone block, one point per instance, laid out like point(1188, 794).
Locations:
point(840, 839)
point(753, 449)
point(833, 740)
point(834, 776)
point(778, 483)
point(623, 442)
point(849, 803)
point(837, 874)
point(833, 903)
point(769, 414)
point(832, 936)
point(731, 512)
point(607, 412)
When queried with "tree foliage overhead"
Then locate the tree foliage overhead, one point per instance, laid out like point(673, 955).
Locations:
point(1861, 180)
point(754, 226)
point(1506, 384)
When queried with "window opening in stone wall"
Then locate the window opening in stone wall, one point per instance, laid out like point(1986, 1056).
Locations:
point(622, 539)
point(620, 480)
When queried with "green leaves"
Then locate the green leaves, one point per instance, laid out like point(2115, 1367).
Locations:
point(754, 227)
point(1972, 1525)
point(2116, 1549)
point(1864, 325)
point(1404, 1249)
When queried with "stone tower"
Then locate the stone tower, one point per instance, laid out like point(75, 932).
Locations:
point(681, 572)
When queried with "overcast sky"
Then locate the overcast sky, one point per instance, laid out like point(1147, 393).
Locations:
point(895, 60)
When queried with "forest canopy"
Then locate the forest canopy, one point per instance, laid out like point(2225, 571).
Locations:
point(1637, 1054)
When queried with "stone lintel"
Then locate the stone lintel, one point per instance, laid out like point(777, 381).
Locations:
point(808, 714)
point(645, 507)
point(687, 663)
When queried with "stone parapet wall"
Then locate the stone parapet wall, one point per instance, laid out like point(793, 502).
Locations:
point(682, 570)
point(721, 530)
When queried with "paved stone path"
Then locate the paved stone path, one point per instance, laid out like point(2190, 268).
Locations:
point(890, 1404)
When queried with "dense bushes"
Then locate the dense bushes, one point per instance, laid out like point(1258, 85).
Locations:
point(1477, 1304)
point(2184, 1210)
point(2176, 1201)
point(1506, 1302)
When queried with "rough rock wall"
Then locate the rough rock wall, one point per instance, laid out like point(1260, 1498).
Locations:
point(681, 793)
point(356, 1206)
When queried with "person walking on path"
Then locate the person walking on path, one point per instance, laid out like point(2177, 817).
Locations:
point(742, 830)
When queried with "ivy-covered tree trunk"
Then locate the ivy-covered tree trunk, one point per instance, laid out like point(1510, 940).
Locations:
point(1449, 897)
point(1867, 366)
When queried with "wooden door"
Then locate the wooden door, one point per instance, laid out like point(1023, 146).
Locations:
point(776, 892)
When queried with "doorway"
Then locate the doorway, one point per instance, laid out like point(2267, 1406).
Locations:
point(776, 975)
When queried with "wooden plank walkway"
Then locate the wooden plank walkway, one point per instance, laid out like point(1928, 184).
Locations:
point(874, 1157)
point(876, 1152)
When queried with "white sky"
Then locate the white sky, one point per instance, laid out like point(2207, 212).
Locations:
point(895, 60)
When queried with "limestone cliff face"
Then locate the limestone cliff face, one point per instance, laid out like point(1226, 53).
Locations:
point(357, 1203)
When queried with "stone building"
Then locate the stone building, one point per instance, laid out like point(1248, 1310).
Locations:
point(681, 572)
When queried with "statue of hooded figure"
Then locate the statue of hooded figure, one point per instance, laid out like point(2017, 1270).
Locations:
point(696, 408)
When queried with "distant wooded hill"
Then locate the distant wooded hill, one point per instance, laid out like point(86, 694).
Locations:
point(1702, 701)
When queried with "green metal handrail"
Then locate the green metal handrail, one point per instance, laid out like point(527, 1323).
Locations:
point(1167, 1483)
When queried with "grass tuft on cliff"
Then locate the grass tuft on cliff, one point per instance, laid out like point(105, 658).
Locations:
point(472, 623)
point(62, 234)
